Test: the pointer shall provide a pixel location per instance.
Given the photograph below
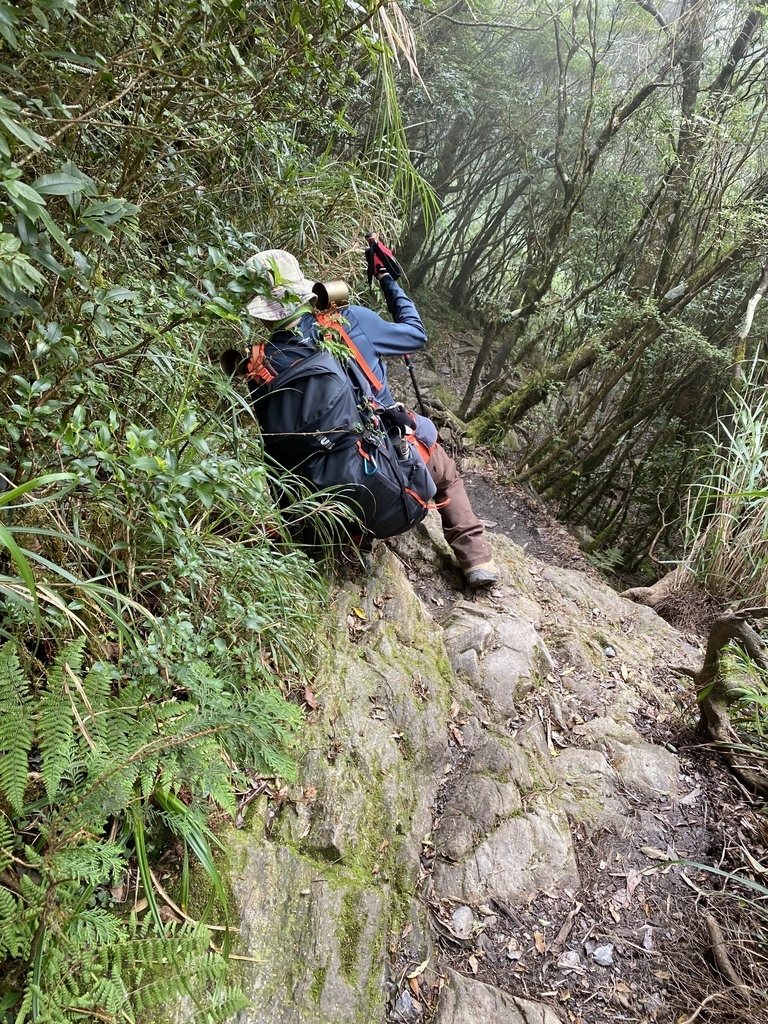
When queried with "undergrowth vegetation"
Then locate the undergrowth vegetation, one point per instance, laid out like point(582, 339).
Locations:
point(156, 613)
point(727, 521)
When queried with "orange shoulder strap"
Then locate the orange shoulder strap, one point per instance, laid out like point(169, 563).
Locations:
point(256, 369)
point(327, 319)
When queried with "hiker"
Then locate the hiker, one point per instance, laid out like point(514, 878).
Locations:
point(287, 314)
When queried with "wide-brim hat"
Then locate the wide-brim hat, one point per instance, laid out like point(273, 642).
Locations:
point(289, 288)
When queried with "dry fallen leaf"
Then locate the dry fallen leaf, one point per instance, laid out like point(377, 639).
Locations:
point(310, 698)
point(538, 938)
point(359, 613)
point(654, 854)
point(119, 892)
point(691, 798)
point(418, 971)
point(623, 995)
point(473, 963)
point(634, 878)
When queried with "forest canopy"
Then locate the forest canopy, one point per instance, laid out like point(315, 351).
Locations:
point(601, 176)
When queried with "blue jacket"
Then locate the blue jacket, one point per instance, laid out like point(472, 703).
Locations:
point(373, 336)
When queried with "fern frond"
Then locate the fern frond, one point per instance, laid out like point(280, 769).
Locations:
point(14, 688)
point(98, 683)
point(33, 894)
point(15, 727)
point(15, 745)
point(15, 932)
point(55, 718)
point(93, 863)
point(7, 842)
point(228, 1002)
point(95, 926)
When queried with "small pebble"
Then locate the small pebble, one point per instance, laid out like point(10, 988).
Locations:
point(569, 960)
point(463, 922)
point(603, 955)
point(406, 1007)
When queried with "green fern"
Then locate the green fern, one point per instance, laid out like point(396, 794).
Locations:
point(6, 842)
point(55, 717)
point(15, 728)
point(15, 933)
point(94, 926)
point(109, 752)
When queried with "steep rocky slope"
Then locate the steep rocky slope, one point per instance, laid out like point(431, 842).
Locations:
point(484, 826)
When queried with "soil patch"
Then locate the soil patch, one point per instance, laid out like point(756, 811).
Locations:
point(520, 515)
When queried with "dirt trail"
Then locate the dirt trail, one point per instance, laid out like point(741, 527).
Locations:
point(657, 941)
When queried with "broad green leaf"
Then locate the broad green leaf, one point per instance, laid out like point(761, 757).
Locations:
point(55, 232)
point(119, 294)
point(8, 20)
point(24, 198)
point(72, 58)
point(25, 135)
point(58, 184)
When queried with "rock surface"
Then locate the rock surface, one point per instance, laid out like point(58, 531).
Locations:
point(471, 1002)
point(423, 784)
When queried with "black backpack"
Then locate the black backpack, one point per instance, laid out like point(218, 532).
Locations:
point(319, 419)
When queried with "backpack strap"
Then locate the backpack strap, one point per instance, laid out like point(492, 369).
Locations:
point(424, 450)
point(330, 320)
point(256, 370)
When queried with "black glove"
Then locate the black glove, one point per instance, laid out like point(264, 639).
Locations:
point(397, 416)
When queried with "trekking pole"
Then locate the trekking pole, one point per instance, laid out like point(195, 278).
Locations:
point(390, 264)
point(419, 399)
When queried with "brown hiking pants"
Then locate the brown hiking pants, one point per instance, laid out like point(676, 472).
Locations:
point(462, 529)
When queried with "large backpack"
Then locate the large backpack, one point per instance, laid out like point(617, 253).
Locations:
point(319, 419)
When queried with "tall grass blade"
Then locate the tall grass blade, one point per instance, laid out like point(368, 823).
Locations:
point(140, 844)
point(197, 836)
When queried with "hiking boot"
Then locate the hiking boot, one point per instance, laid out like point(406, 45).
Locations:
point(483, 575)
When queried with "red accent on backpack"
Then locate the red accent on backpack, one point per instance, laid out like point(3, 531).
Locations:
point(256, 369)
point(330, 320)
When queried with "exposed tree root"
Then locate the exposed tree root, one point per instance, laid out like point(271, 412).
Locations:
point(674, 598)
point(716, 692)
point(720, 953)
point(702, 1005)
point(655, 596)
